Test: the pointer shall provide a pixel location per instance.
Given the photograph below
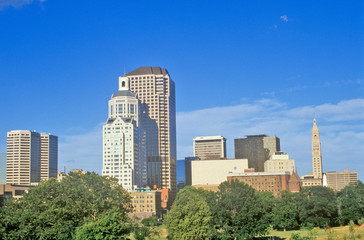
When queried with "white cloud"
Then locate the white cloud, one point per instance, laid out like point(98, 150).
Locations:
point(81, 150)
point(341, 126)
point(284, 18)
point(16, 3)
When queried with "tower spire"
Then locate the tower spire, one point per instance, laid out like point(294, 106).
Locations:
point(316, 151)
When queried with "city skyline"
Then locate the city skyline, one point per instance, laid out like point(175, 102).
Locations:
point(239, 69)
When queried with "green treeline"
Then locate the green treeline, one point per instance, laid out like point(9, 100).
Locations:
point(81, 206)
point(89, 206)
point(237, 211)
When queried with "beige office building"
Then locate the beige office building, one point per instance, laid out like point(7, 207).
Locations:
point(156, 91)
point(30, 157)
point(279, 162)
point(211, 147)
point(48, 156)
point(339, 180)
point(214, 172)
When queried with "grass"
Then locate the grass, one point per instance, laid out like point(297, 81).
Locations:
point(322, 233)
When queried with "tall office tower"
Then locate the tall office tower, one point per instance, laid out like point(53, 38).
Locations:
point(30, 157)
point(23, 157)
point(316, 152)
point(156, 91)
point(257, 149)
point(48, 156)
point(212, 147)
point(124, 153)
point(2, 168)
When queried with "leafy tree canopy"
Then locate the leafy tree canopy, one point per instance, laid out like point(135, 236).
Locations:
point(318, 206)
point(53, 209)
point(351, 203)
point(285, 212)
point(239, 213)
point(190, 216)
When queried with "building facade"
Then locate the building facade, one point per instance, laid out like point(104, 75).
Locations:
point(274, 182)
point(257, 149)
point(211, 147)
point(48, 156)
point(2, 168)
point(279, 162)
point(188, 173)
point(30, 157)
point(212, 172)
point(156, 92)
point(316, 152)
point(339, 180)
point(124, 146)
point(146, 203)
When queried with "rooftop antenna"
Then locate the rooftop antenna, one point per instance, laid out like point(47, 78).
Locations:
point(124, 69)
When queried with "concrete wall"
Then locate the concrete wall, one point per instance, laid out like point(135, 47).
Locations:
point(215, 171)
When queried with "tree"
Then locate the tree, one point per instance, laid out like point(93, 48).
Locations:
point(190, 216)
point(112, 226)
point(150, 221)
point(53, 210)
point(285, 212)
point(238, 213)
point(351, 203)
point(317, 206)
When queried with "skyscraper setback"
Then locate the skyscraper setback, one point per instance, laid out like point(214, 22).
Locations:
point(156, 92)
point(124, 155)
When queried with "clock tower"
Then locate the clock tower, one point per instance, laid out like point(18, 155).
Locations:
point(316, 152)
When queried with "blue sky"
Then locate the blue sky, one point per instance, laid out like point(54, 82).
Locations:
point(240, 67)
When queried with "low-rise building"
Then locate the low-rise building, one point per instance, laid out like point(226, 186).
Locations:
point(210, 172)
point(146, 202)
point(274, 182)
point(339, 180)
point(309, 180)
point(13, 190)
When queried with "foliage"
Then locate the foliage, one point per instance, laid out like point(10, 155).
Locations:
point(113, 226)
point(148, 228)
point(351, 203)
point(285, 212)
point(190, 216)
point(331, 234)
point(53, 209)
point(238, 212)
point(317, 206)
point(297, 236)
point(150, 221)
point(314, 233)
point(361, 221)
point(351, 229)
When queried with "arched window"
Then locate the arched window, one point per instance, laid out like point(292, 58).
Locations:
point(123, 84)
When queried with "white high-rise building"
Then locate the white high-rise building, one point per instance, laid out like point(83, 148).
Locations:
point(124, 147)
